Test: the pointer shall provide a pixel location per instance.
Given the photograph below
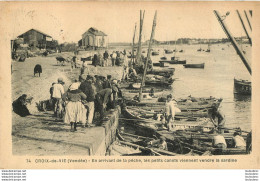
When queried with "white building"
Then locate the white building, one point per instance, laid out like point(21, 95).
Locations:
point(94, 38)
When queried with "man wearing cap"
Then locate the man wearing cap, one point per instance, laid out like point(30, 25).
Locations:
point(58, 91)
point(89, 89)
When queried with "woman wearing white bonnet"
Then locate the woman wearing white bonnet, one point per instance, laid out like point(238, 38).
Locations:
point(75, 110)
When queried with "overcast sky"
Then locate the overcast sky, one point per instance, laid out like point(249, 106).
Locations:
point(66, 22)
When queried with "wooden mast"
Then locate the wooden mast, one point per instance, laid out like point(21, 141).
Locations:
point(139, 50)
point(148, 55)
point(243, 25)
point(233, 41)
point(248, 21)
point(133, 45)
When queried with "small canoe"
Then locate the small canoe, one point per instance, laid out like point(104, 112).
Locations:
point(201, 65)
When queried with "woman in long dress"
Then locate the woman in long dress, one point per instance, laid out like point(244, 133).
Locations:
point(75, 111)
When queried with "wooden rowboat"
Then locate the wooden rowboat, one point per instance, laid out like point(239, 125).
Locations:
point(242, 87)
point(201, 65)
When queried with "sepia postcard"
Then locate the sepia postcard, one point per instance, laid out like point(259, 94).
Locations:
point(120, 85)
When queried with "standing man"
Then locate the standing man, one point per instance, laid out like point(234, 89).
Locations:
point(113, 58)
point(107, 83)
point(218, 117)
point(105, 55)
point(169, 112)
point(58, 91)
point(102, 99)
point(89, 89)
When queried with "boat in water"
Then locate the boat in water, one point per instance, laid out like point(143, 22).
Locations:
point(200, 65)
point(242, 87)
point(168, 51)
point(154, 53)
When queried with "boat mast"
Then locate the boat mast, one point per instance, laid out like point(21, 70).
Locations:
point(243, 25)
point(133, 45)
point(248, 21)
point(148, 56)
point(233, 41)
point(139, 50)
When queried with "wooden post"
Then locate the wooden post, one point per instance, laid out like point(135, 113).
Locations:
point(233, 41)
point(148, 56)
point(139, 50)
point(133, 47)
point(243, 25)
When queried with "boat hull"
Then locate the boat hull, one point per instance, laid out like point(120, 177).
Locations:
point(242, 87)
point(195, 65)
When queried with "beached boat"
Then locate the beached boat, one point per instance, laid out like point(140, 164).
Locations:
point(160, 64)
point(166, 72)
point(154, 53)
point(187, 104)
point(242, 87)
point(200, 65)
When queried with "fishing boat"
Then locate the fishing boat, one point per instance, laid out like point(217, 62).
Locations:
point(160, 64)
point(163, 58)
point(200, 49)
point(202, 141)
point(168, 51)
point(175, 60)
point(201, 65)
point(150, 146)
point(189, 104)
point(208, 49)
point(154, 53)
point(242, 87)
point(166, 72)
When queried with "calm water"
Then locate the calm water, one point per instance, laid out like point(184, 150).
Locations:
point(216, 79)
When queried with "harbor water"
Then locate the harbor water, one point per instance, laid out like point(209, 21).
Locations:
point(222, 65)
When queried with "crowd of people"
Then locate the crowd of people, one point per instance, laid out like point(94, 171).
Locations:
point(84, 98)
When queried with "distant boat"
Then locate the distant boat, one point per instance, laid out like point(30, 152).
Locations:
point(168, 51)
point(201, 65)
point(181, 51)
point(160, 64)
point(155, 53)
point(199, 50)
point(242, 87)
point(175, 60)
point(208, 50)
point(163, 58)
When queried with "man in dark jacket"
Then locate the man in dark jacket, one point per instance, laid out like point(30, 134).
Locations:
point(107, 83)
point(102, 99)
point(88, 88)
